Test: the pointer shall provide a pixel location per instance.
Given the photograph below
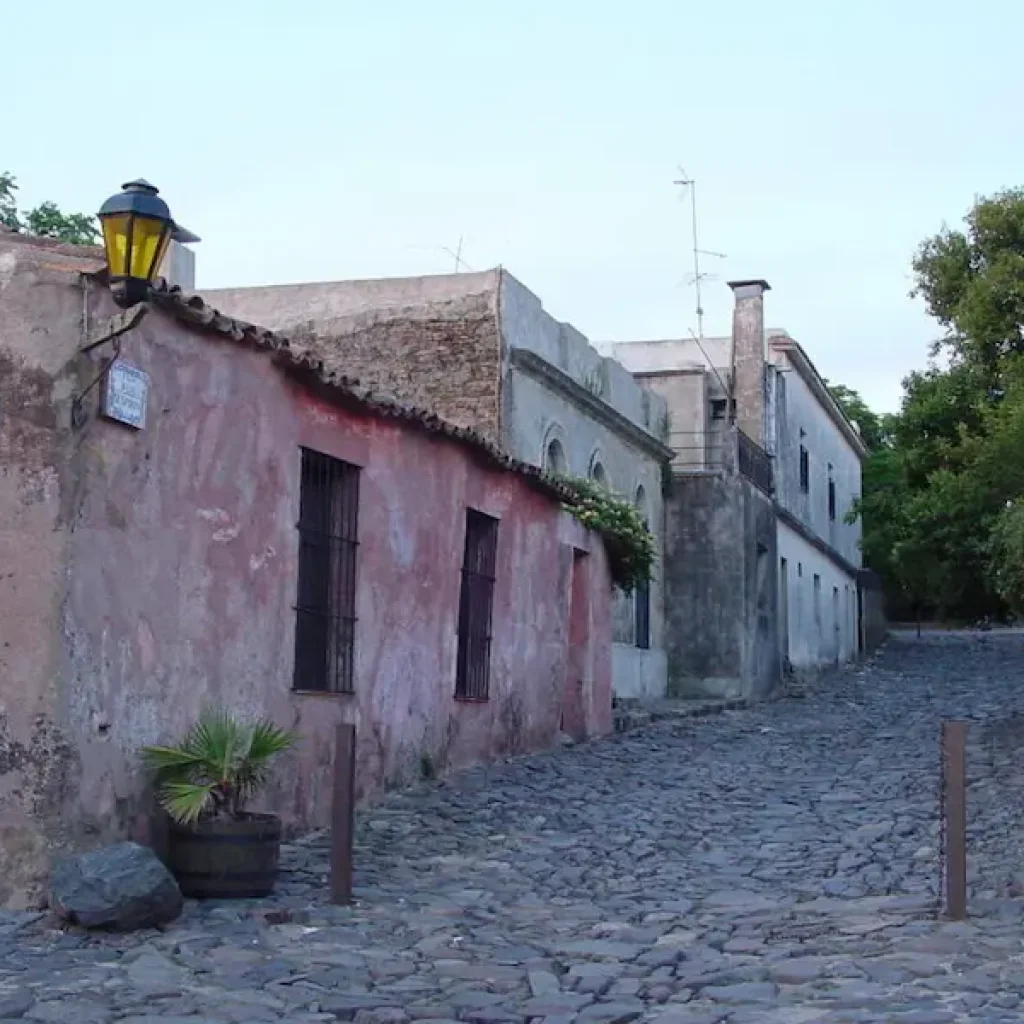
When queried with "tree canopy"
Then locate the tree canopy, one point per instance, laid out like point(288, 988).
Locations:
point(45, 220)
point(943, 488)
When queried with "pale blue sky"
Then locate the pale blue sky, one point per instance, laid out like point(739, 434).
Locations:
point(321, 140)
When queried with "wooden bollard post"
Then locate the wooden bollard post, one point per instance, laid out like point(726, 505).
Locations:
point(343, 814)
point(954, 797)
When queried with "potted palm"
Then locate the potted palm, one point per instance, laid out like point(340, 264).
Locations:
point(215, 847)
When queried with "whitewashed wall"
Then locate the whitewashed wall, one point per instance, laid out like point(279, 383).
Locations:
point(830, 634)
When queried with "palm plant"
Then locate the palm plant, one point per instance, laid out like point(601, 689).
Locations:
point(217, 767)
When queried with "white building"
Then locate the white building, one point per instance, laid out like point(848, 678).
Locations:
point(763, 382)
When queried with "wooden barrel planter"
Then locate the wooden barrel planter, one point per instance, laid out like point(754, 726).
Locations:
point(233, 858)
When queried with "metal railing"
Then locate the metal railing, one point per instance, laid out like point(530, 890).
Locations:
point(724, 449)
point(699, 450)
point(754, 463)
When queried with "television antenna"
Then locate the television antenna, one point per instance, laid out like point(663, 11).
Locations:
point(686, 182)
point(456, 255)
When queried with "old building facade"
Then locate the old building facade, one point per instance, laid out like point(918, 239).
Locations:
point(752, 409)
point(481, 350)
point(269, 537)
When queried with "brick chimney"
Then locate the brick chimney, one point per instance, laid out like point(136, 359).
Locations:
point(748, 357)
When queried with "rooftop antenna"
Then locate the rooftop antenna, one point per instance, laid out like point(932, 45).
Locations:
point(456, 255)
point(691, 183)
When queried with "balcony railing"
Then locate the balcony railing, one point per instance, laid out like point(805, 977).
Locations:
point(726, 449)
point(754, 463)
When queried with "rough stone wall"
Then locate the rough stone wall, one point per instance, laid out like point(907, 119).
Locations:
point(429, 341)
point(444, 357)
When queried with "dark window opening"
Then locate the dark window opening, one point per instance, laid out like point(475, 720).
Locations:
point(718, 408)
point(832, 499)
point(476, 606)
point(642, 614)
point(805, 470)
point(325, 609)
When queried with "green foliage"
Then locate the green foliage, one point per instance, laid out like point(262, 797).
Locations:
point(46, 220)
point(627, 540)
point(8, 208)
point(972, 281)
point(217, 767)
point(873, 428)
point(1007, 556)
point(943, 488)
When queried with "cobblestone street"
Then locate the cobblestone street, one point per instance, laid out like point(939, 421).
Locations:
point(778, 865)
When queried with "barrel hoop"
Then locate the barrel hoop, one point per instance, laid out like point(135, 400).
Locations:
point(230, 876)
point(202, 837)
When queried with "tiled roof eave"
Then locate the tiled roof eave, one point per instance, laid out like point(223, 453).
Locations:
point(192, 311)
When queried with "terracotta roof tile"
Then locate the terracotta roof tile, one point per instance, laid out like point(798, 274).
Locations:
point(193, 311)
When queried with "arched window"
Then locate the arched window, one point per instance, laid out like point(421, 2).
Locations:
point(641, 502)
point(597, 473)
point(554, 457)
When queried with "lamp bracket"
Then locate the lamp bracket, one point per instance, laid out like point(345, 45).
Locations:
point(114, 327)
point(109, 330)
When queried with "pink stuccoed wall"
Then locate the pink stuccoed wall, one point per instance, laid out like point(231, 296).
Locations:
point(146, 574)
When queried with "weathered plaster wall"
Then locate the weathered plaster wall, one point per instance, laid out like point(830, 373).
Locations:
point(527, 325)
point(155, 572)
point(536, 411)
point(447, 343)
point(38, 760)
point(720, 587)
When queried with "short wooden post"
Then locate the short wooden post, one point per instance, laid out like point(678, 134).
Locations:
point(954, 794)
point(343, 814)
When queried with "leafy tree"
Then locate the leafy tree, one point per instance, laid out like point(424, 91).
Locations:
point(972, 281)
point(46, 220)
point(873, 428)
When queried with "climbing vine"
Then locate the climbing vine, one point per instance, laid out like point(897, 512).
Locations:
point(627, 540)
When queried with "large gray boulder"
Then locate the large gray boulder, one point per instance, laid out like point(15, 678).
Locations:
point(122, 887)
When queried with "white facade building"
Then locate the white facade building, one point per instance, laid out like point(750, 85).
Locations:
point(765, 383)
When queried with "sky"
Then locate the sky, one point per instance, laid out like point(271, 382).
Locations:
point(330, 140)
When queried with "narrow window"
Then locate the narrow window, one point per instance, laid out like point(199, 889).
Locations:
point(832, 500)
point(805, 470)
point(642, 593)
point(476, 604)
point(817, 601)
point(325, 610)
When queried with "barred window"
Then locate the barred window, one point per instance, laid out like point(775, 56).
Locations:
point(476, 604)
point(325, 610)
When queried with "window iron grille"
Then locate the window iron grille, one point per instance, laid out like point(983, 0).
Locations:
point(476, 606)
point(325, 613)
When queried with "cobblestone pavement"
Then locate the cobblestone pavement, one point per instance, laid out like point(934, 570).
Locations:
point(777, 865)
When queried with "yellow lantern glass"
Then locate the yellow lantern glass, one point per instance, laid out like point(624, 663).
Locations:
point(137, 229)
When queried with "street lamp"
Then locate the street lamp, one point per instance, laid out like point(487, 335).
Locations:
point(137, 228)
